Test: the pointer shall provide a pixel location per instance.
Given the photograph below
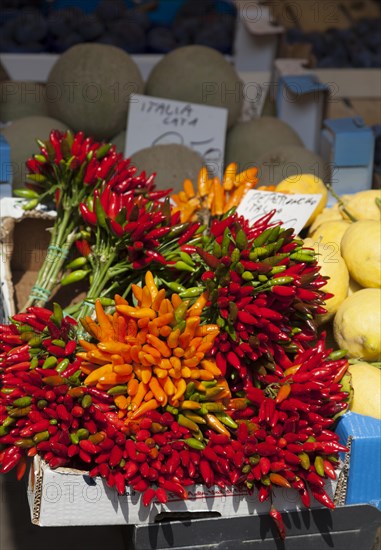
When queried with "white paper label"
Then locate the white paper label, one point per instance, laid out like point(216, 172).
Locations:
point(292, 210)
point(158, 121)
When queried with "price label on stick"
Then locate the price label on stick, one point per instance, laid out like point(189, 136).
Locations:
point(292, 210)
point(158, 121)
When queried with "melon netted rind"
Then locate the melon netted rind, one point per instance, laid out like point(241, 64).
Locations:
point(247, 141)
point(198, 74)
point(94, 83)
point(288, 160)
point(173, 163)
point(19, 99)
point(21, 136)
point(119, 141)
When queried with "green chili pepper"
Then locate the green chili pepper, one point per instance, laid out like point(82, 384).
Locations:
point(319, 466)
point(302, 257)
point(217, 249)
point(74, 438)
point(102, 150)
point(263, 237)
point(337, 354)
point(25, 193)
point(117, 390)
point(35, 341)
point(86, 401)
point(194, 443)
point(304, 460)
point(57, 314)
point(187, 423)
point(241, 239)
point(176, 287)
point(197, 419)
point(41, 404)
point(186, 258)
point(50, 362)
point(63, 365)
point(24, 443)
point(23, 401)
point(82, 433)
point(226, 419)
point(30, 204)
point(58, 342)
point(100, 213)
point(77, 262)
point(226, 240)
point(192, 292)
point(235, 256)
point(247, 276)
point(182, 266)
point(74, 277)
point(189, 390)
point(41, 436)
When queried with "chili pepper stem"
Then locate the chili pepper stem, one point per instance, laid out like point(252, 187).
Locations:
point(62, 238)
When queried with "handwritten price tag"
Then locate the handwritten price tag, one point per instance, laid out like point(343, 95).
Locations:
point(292, 210)
point(158, 121)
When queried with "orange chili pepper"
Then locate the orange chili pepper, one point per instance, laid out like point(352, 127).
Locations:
point(283, 393)
point(143, 408)
point(158, 391)
point(278, 479)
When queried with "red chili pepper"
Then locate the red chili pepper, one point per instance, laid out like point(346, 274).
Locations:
point(210, 260)
point(277, 517)
point(321, 496)
point(88, 216)
point(173, 487)
point(55, 138)
point(283, 291)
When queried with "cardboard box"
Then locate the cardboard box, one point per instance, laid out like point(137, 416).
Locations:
point(24, 239)
point(363, 463)
point(256, 37)
point(70, 497)
point(347, 145)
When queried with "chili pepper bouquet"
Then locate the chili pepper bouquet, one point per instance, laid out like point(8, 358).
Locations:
point(194, 357)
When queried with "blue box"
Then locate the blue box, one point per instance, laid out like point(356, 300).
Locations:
point(364, 481)
point(5, 168)
point(347, 145)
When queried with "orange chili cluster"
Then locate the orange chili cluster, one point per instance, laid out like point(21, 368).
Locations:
point(146, 354)
point(212, 194)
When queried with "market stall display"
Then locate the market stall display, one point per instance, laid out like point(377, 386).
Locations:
point(209, 356)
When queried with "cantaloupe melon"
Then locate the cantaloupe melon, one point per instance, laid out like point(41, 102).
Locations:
point(248, 141)
point(172, 163)
point(19, 99)
point(198, 74)
point(288, 160)
point(21, 136)
point(119, 141)
point(93, 83)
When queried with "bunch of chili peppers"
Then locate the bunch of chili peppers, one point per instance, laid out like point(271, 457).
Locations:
point(196, 359)
point(259, 439)
point(64, 174)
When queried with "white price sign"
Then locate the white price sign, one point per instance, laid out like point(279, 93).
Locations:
point(293, 210)
point(158, 121)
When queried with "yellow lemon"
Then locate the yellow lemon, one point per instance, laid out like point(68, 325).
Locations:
point(361, 250)
point(332, 266)
point(366, 384)
point(357, 324)
point(330, 231)
point(305, 184)
point(363, 205)
point(327, 215)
